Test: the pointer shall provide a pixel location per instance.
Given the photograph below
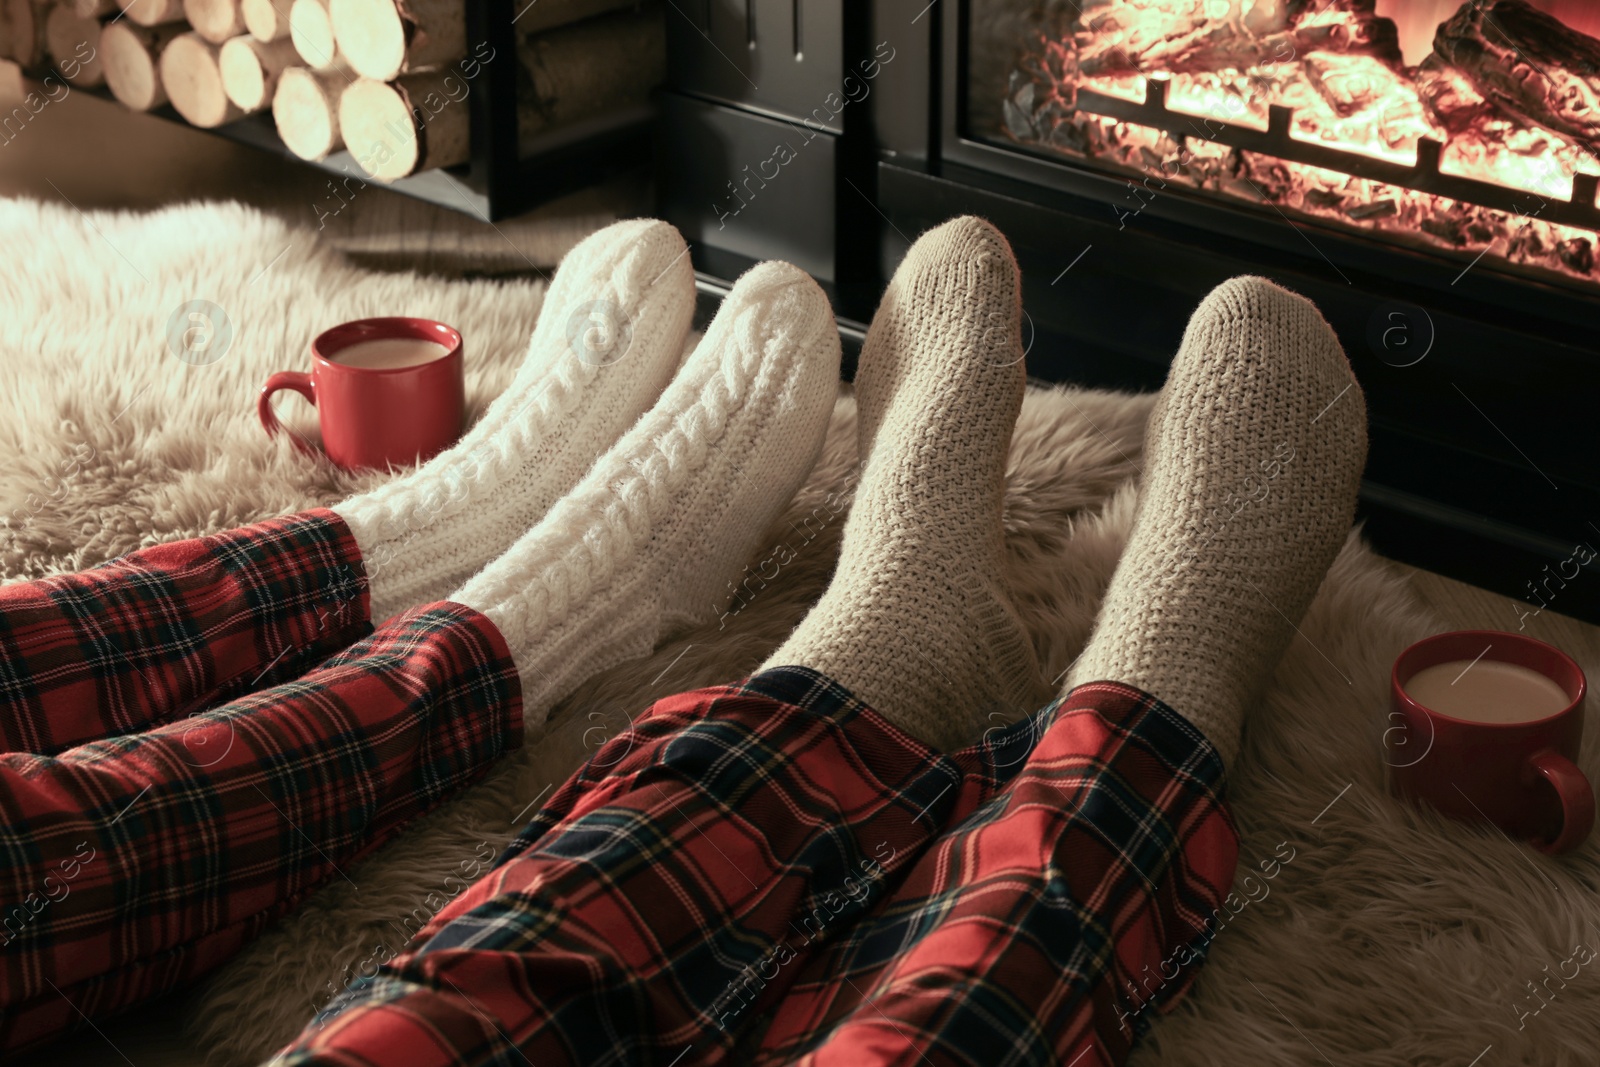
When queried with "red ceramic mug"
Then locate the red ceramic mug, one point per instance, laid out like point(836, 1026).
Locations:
point(1521, 776)
point(383, 415)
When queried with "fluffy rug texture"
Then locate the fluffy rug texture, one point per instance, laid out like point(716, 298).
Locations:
point(1388, 937)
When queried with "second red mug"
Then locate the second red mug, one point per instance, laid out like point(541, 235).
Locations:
point(1521, 775)
point(400, 399)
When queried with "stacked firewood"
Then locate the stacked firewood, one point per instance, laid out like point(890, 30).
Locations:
point(387, 79)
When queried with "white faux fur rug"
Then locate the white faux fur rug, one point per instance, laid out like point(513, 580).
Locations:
point(1389, 938)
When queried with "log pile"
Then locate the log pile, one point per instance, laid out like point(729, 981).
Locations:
point(386, 78)
point(415, 122)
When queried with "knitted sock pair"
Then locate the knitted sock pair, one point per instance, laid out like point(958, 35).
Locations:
point(1253, 456)
point(590, 559)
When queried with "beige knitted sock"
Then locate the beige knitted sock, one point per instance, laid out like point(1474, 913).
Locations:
point(650, 538)
point(916, 622)
point(608, 338)
point(1253, 457)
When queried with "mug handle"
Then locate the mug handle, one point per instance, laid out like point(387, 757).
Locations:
point(1577, 800)
point(285, 379)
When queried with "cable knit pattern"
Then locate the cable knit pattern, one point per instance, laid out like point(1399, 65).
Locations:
point(916, 621)
point(1254, 457)
point(652, 536)
point(609, 336)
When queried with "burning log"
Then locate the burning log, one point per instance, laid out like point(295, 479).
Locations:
point(1349, 84)
point(1350, 27)
point(1529, 64)
point(1450, 99)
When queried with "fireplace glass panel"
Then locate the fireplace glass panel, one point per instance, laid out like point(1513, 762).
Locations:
point(1471, 126)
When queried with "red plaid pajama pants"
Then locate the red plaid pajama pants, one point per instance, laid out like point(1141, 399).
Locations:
point(195, 736)
point(761, 873)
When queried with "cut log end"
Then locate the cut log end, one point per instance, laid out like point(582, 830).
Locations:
point(403, 127)
point(306, 111)
point(311, 30)
point(250, 70)
point(215, 20)
point(380, 129)
point(154, 12)
point(92, 9)
point(74, 42)
point(266, 20)
point(26, 22)
point(372, 36)
point(129, 54)
point(193, 80)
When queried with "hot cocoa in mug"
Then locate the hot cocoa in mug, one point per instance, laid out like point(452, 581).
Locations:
point(1486, 726)
point(388, 392)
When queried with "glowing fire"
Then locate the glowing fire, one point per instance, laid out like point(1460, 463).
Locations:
point(1337, 65)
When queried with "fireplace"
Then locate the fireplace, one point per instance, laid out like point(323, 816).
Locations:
point(1425, 170)
point(1476, 135)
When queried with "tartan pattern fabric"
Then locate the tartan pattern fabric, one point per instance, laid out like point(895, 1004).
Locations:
point(733, 875)
point(1055, 917)
point(614, 928)
point(132, 864)
point(165, 631)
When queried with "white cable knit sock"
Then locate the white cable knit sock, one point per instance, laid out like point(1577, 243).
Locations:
point(651, 537)
point(1253, 459)
point(915, 621)
point(609, 336)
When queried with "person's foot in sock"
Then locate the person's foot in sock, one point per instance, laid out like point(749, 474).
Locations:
point(1253, 457)
point(916, 622)
point(651, 537)
point(608, 338)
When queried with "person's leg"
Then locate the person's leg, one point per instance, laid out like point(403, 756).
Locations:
point(187, 850)
point(1068, 902)
point(1052, 923)
point(620, 919)
point(661, 895)
point(167, 631)
point(178, 628)
point(609, 337)
point(131, 865)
